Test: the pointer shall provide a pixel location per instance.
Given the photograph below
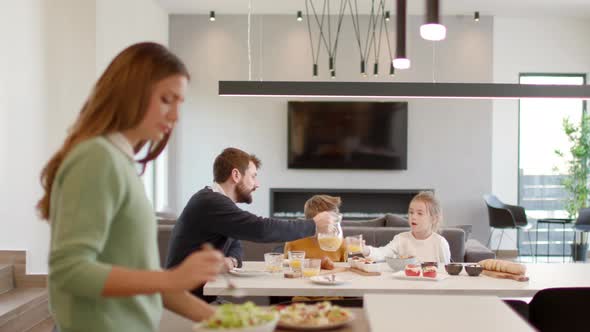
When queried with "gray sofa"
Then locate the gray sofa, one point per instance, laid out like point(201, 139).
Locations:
point(376, 232)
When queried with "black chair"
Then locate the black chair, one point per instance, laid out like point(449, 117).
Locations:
point(560, 309)
point(503, 216)
point(582, 224)
point(520, 307)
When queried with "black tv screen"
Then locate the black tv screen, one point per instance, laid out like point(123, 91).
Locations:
point(348, 135)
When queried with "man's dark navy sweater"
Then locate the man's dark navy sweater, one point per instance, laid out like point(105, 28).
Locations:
point(211, 217)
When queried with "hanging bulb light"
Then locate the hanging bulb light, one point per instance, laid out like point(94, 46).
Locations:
point(476, 16)
point(363, 69)
point(315, 70)
point(212, 16)
point(401, 61)
point(376, 69)
point(432, 29)
point(391, 69)
point(299, 16)
point(387, 16)
point(333, 74)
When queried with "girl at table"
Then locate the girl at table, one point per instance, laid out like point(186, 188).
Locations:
point(423, 240)
point(104, 267)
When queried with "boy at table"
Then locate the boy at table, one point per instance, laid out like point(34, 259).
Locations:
point(313, 206)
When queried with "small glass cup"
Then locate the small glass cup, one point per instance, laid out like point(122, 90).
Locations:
point(311, 267)
point(295, 260)
point(354, 244)
point(273, 262)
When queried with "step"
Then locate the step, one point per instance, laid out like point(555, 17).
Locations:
point(6, 278)
point(45, 326)
point(23, 308)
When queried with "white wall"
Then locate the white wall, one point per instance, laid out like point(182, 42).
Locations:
point(122, 23)
point(449, 146)
point(528, 45)
point(48, 66)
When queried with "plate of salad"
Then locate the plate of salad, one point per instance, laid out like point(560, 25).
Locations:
point(247, 317)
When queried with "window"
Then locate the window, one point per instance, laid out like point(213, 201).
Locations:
point(155, 180)
point(540, 170)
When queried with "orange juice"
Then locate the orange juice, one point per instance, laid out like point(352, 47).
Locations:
point(295, 264)
point(310, 272)
point(330, 243)
point(354, 248)
point(274, 268)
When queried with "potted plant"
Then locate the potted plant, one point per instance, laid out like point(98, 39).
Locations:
point(576, 181)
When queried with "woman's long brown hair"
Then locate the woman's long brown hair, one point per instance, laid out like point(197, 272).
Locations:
point(118, 102)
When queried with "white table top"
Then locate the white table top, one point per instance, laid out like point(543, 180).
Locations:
point(399, 312)
point(541, 276)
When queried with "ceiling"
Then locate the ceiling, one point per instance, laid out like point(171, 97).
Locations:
point(514, 8)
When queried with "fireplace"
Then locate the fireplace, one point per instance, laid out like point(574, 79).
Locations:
point(357, 204)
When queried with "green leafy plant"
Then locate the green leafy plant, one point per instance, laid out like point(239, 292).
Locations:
point(576, 180)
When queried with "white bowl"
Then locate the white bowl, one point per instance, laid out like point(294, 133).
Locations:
point(268, 327)
point(399, 264)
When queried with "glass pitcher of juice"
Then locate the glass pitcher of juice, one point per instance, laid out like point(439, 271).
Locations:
point(331, 239)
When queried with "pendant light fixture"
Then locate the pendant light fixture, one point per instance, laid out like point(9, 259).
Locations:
point(401, 60)
point(432, 29)
point(387, 16)
point(212, 16)
point(299, 16)
point(476, 16)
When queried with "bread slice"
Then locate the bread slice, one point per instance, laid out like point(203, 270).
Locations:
point(503, 266)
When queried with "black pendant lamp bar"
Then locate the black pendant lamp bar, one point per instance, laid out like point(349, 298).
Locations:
point(401, 60)
point(396, 90)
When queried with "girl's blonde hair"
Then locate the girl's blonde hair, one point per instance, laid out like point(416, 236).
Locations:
point(433, 208)
point(321, 203)
point(118, 102)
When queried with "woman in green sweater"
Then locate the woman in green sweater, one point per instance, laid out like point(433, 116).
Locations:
point(104, 269)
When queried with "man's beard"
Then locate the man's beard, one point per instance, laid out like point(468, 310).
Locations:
point(243, 194)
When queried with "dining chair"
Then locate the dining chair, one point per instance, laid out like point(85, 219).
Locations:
point(504, 216)
point(560, 309)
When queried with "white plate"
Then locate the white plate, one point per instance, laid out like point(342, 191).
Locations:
point(327, 280)
point(402, 275)
point(282, 325)
point(246, 273)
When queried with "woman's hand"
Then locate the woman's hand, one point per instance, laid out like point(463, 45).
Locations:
point(198, 268)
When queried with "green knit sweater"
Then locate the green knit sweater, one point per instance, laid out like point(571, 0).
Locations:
point(100, 216)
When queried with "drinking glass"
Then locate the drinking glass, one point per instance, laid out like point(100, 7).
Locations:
point(354, 244)
point(311, 267)
point(295, 260)
point(273, 262)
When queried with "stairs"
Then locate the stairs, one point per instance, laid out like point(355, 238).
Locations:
point(21, 309)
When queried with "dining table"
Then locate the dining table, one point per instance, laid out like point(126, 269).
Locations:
point(261, 283)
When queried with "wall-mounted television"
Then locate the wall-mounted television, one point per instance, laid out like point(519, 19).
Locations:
point(348, 135)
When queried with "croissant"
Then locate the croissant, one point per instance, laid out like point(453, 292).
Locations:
point(503, 266)
point(327, 263)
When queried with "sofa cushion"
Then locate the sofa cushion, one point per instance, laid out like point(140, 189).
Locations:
point(475, 251)
point(466, 228)
point(377, 222)
point(254, 251)
point(456, 239)
point(394, 220)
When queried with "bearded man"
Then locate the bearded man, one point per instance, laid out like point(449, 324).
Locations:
point(212, 216)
